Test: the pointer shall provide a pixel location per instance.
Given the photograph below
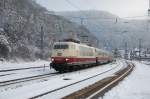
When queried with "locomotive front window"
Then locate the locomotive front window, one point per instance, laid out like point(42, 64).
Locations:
point(61, 46)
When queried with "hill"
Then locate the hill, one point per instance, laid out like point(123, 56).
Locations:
point(111, 30)
point(24, 22)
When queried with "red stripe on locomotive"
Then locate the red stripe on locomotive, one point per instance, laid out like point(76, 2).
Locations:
point(70, 60)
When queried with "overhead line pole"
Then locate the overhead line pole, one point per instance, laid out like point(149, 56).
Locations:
point(126, 51)
point(149, 9)
point(81, 19)
point(42, 42)
point(140, 47)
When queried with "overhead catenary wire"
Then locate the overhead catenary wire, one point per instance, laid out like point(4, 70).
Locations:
point(114, 19)
point(72, 4)
point(103, 18)
point(127, 20)
point(94, 18)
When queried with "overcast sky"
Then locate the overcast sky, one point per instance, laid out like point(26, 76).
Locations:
point(122, 8)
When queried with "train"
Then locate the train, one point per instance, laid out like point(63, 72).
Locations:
point(70, 55)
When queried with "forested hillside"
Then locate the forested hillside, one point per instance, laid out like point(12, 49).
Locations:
point(23, 22)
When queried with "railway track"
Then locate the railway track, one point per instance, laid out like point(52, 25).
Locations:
point(6, 74)
point(15, 81)
point(17, 69)
point(19, 80)
point(52, 91)
point(99, 88)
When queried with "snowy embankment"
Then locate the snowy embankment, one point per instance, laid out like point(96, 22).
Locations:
point(16, 65)
point(135, 86)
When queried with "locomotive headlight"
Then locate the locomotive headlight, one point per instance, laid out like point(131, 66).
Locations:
point(67, 59)
point(52, 59)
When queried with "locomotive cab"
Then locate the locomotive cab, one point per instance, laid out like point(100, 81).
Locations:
point(63, 49)
point(63, 53)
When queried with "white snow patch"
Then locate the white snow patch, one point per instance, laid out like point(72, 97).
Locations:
point(10, 75)
point(21, 64)
point(135, 86)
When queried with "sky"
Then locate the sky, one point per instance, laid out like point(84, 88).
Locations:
point(121, 8)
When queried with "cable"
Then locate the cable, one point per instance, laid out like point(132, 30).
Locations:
point(70, 3)
point(134, 17)
point(94, 18)
point(115, 19)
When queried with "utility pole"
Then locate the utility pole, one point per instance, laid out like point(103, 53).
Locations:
point(126, 51)
point(42, 42)
point(59, 29)
point(4, 4)
point(59, 26)
point(149, 9)
point(116, 53)
point(97, 43)
point(85, 39)
point(81, 20)
point(148, 19)
point(140, 46)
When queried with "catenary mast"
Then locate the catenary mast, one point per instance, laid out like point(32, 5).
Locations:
point(149, 9)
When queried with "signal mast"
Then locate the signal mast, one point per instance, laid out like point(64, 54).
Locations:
point(149, 9)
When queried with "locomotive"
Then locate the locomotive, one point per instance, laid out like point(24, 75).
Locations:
point(70, 55)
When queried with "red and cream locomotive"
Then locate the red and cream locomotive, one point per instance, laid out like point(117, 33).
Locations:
point(70, 55)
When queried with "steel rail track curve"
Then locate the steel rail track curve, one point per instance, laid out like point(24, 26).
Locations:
point(15, 81)
point(94, 95)
point(40, 95)
point(17, 69)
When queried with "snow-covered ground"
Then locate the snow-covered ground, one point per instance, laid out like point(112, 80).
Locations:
point(25, 73)
point(10, 75)
point(18, 74)
point(14, 65)
point(58, 81)
point(146, 62)
point(135, 86)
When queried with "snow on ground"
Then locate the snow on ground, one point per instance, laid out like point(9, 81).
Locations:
point(17, 74)
point(10, 75)
point(135, 86)
point(14, 65)
point(58, 81)
point(25, 73)
point(66, 91)
point(146, 62)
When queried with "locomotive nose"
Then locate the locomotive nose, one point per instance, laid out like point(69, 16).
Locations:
point(60, 60)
